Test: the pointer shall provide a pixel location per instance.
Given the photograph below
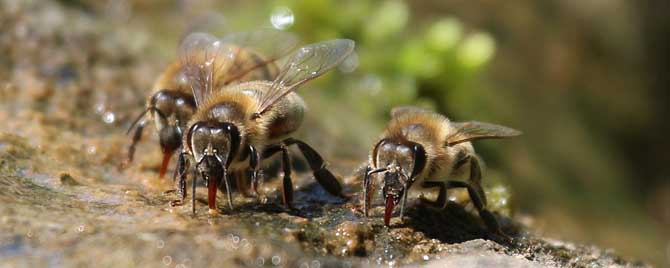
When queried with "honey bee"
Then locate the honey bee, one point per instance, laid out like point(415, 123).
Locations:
point(237, 57)
point(425, 148)
point(237, 126)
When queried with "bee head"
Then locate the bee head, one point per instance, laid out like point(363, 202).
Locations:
point(402, 161)
point(213, 140)
point(213, 145)
point(170, 111)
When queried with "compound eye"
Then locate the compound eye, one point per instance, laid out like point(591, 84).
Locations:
point(159, 119)
point(220, 140)
point(185, 110)
point(385, 153)
point(404, 157)
point(163, 101)
point(388, 147)
point(199, 140)
point(419, 159)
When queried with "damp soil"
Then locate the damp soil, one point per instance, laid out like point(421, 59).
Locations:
point(67, 94)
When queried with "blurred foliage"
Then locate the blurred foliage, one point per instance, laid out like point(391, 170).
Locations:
point(396, 56)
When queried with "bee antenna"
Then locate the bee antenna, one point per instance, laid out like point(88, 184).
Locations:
point(377, 171)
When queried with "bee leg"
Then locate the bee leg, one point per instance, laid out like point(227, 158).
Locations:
point(479, 203)
point(254, 163)
point(137, 136)
point(195, 177)
point(441, 200)
point(318, 167)
point(180, 174)
point(369, 188)
point(228, 190)
point(476, 178)
point(404, 200)
point(240, 183)
point(229, 193)
point(287, 189)
point(476, 187)
point(367, 193)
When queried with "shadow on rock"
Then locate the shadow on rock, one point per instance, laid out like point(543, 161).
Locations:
point(454, 224)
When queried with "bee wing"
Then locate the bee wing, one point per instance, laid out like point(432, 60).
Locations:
point(305, 64)
point(473, 130)
point(402, 110)
point(265, 46)
point(203, 56)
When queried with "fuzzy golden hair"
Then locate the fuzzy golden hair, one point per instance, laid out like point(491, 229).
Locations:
point(171, 79)
point(426, 128)
point(245, 98)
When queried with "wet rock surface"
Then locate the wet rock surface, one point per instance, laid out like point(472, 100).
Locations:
point(67, 95)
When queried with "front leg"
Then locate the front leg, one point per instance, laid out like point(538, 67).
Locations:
point(318, 167)
point(368, 188)
point(229, 192)
point(137, 136)
point(180, 174)
point(478, 202)
point(254, 163)
point(366, 191)
point(441, 200)
point(287, 189)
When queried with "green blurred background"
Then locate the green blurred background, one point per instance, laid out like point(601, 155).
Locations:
point(586, 81)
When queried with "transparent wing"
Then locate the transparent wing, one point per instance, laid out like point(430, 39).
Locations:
point(203, 56)
point(209, 63)
point(256, 49)
point(474, 130)
point(402, 110)
point(305, 64)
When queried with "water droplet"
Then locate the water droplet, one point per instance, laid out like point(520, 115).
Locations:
point(282, 18)
point(372, 84)
point(349, 64)
point(99, 108)
point(160, 243)
point(167, 260)
point(276, 260)
point(108, 117)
